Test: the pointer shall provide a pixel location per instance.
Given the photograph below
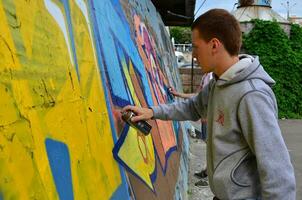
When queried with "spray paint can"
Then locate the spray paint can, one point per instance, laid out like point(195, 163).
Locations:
point(141, 126)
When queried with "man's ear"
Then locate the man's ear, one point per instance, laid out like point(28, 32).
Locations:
point(215, 43)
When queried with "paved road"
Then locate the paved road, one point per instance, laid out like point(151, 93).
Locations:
point(292, 133)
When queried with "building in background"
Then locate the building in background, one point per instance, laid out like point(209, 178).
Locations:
point(248, 10)
point(296, 20)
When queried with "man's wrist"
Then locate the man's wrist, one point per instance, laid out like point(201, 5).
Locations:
point(152, 113)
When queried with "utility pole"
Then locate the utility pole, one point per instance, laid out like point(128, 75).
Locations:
point(288, 7)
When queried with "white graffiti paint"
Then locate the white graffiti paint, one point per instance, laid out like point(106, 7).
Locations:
point(83, 7)
point(57, 14)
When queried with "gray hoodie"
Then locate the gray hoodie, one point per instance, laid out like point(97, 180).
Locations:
point(246, 154)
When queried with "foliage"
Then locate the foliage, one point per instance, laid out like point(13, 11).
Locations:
point(296, 38)
point(282, 59)
point(181, 35)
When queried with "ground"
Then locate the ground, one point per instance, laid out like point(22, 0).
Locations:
point(292, 133)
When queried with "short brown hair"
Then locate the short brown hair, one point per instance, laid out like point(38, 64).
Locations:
point(220, 24)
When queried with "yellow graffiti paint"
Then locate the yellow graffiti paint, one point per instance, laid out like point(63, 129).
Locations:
point(137, 150)
point(129, 81)
point(106, 173)
point(21, 151)
point(42, 97)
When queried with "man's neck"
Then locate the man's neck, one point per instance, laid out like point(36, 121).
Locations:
point(224, 64)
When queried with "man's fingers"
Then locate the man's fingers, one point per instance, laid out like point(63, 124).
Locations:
point(141, 113)
point(137, 110)
point(173, 92)
point(126, 108)
point(138, 118)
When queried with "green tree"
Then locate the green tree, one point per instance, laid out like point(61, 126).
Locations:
point(181, 35)
point(282, 59)
point(296, 38)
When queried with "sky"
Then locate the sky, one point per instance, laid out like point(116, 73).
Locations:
point(229, 5)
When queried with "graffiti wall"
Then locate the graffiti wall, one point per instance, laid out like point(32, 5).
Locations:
point(67, 67)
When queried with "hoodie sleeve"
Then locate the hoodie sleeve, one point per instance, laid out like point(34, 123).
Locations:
point(258, 118)
point(190, 109)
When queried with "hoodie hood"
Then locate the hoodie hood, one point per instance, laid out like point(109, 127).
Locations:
point(253, 71)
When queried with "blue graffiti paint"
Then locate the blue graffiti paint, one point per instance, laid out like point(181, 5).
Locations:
point(1, 196)
point(123, 57)
point(59, 161)
point(122, 191)
point(119, 193)
point(107, 18)
point(116, 150)
point(116, 99)
point(111, 28)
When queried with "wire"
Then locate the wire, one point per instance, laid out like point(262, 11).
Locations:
point(242, 13)
point(178, 15)
point(199, 7)
point(234, 6)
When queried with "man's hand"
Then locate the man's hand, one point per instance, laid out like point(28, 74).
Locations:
point(141, 113)
point(174, 92)
point(182, 95)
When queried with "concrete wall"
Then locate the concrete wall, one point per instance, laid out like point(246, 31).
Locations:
point(246, 27)
point(186, 78)
point(66, 69)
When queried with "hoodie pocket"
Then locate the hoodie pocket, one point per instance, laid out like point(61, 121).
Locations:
point(227, 166)
point(225, 184)
point(245, 171)
point(236, 176)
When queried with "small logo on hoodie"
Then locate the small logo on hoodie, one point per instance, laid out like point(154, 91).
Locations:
point(220, 118)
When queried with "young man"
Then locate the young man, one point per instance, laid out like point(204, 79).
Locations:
point(246, 154)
